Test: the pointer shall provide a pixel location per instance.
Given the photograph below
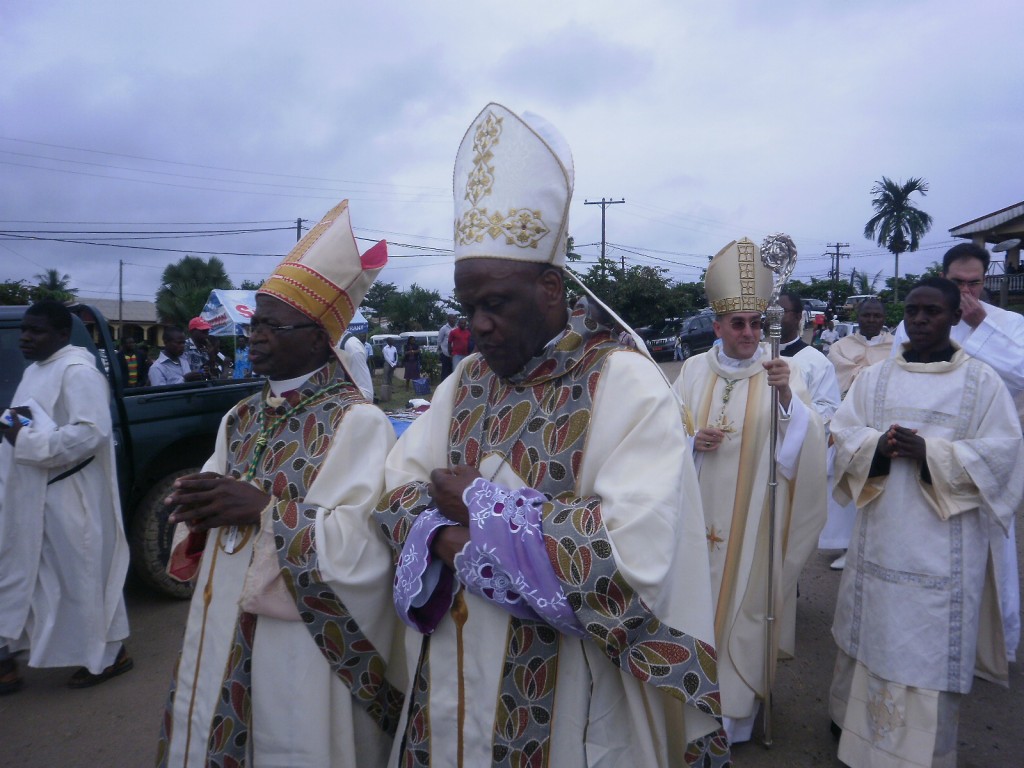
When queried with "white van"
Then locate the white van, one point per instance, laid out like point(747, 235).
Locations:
point(427, 340)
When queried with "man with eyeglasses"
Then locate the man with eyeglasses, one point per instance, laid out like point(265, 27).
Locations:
point(727, 392)
point(286, 652)
point(994, 336)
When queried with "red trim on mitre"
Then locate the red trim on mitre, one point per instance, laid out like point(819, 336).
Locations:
point(376, 257)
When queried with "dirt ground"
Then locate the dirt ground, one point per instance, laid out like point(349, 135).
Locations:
point(115, 725)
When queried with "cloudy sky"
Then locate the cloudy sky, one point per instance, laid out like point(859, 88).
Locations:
point(142, 125)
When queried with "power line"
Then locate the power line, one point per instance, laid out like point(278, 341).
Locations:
point(446, 199)
point(604, 207)
point(211, 167)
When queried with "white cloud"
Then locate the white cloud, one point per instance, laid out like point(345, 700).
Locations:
point(712, 120)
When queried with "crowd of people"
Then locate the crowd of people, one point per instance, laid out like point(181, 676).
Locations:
point(566, 560)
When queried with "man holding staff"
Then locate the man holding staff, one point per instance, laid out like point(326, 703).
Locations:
point(728, 394)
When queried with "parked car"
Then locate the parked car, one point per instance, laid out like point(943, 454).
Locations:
point(427, 340)
point(160, 434)
point(697, 334)
point(662, 340)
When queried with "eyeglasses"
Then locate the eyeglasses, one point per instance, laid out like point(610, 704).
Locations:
point(257, 325)
point(966, 283)
point(737, 324)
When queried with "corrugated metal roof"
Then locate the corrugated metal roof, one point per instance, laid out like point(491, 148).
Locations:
point(989, 221)
point(132, 311)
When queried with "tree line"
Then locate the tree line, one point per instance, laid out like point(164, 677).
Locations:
point(642, 295)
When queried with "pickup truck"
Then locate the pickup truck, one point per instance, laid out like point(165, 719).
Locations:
point(160, 434)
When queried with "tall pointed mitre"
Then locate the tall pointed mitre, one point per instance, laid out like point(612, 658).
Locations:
point(324, 277)
point(513, 183)
point(737, 280)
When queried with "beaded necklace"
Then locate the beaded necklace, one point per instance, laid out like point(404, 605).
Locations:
point(267, 429)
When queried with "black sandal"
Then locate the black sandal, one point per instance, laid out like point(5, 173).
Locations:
point(83, 678)
point(10, 680)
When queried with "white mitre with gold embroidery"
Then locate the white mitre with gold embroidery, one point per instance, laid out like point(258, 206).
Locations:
point(513, 184)
point(737, 280)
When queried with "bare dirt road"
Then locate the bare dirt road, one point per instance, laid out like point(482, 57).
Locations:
point(115, 725)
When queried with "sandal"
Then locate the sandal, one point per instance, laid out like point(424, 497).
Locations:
point(83, 678)
point(10, 680)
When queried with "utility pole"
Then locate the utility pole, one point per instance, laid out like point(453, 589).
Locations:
point(120, 299)
point(298, 229)
point(604, 206)
point(835, 269)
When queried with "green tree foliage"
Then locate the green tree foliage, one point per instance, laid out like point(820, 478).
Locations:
point(897, 225)
point(15, 293)
point(416, 309)
point(53, 286)
point(687, 298)
point(252, 285)
point(185, 287)
point(570, 250)
point(639, 294)
point(379, 295)
point(862, 283)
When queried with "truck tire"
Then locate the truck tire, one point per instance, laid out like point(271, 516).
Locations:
point(149, 539)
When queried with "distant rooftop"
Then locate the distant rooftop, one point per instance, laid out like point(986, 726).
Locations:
point(132, 311)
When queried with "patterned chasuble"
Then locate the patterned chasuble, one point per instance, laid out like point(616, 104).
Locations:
point(538, 420)
point(297, 437)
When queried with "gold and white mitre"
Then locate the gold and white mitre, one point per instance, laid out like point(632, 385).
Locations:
point(513, 183)
point(737, 280)
point(324, 277)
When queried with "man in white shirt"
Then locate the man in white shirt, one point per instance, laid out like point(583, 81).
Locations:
point(994, 336)
point(390, 360)
point(172, 366)
point(442, 346)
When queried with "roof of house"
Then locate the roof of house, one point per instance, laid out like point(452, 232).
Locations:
point(131, 311)
point(996, 227)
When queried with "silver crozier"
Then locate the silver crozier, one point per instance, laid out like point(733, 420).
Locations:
point(778, 253)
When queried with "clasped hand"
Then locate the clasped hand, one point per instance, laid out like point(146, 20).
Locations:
point(902, 442)
point(209, 500)
point(446, 488)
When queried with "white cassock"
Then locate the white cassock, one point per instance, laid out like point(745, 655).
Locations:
point(999, 341)
point(302, 713)
point(352, 354)
point(820, 380)
point(636, 461)
point(917, 602)
point(849, 356)
point(63, 554)
point(734, 492)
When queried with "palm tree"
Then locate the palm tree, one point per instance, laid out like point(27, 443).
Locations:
point(53, 285)
point(185, 288)
point(897, 225)
point(862, 284)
